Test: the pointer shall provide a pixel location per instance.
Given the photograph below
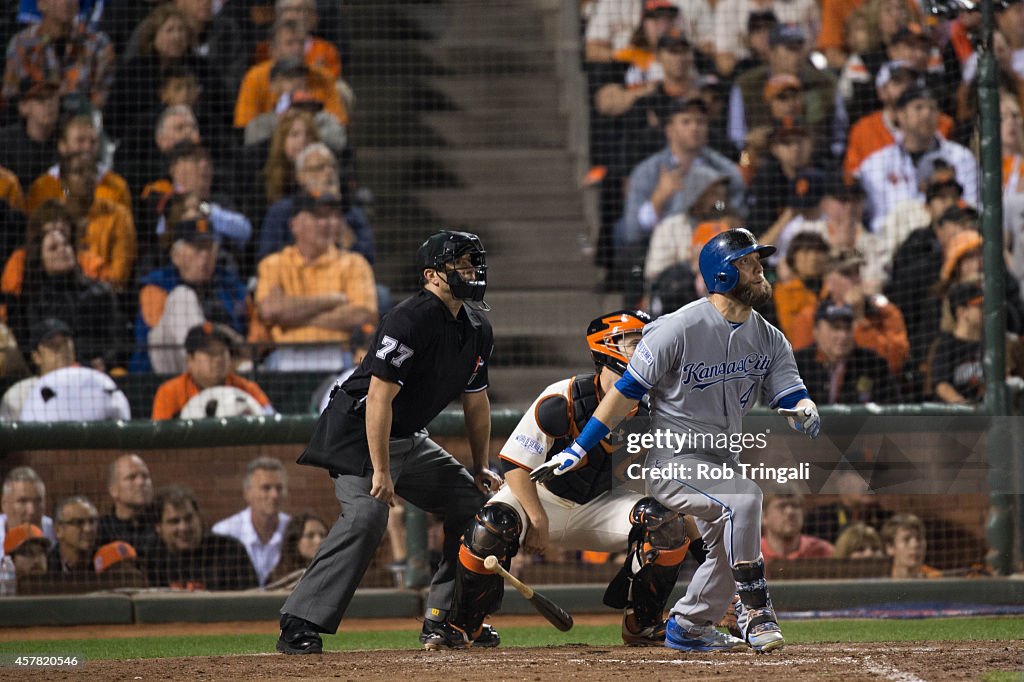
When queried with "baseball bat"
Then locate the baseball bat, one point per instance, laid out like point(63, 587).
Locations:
point(554, 614)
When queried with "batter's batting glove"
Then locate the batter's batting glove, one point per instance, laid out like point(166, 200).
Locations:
point(564, 461)
point(804, 419)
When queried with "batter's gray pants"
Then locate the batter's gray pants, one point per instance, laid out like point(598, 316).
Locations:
point(424, 475)
point(728, 516)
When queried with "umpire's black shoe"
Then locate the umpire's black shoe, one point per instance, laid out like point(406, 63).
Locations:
point(488, 637)
point(442, 635)
point(299, 636)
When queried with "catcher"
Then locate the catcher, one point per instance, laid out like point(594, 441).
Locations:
point(580, 511)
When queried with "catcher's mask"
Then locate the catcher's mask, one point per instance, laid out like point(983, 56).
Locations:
point(440, 252)
point(613, 337)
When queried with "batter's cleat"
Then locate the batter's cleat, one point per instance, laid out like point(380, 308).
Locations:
point(634, 635)
point(299, 636)
point(487, 637)
point(437, 635)
point(700, 638)
point(766, 638)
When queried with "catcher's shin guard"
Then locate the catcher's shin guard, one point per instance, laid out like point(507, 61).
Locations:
point(478, 592)
point(657, 547)
point(756, 615)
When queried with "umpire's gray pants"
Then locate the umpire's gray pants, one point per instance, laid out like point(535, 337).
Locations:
point(728, 516)
point(426, 476)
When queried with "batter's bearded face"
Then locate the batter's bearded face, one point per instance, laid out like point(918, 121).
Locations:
point(753, 289)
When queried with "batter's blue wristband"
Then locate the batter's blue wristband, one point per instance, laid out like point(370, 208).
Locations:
point(592, 434)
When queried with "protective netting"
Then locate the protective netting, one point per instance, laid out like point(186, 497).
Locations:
point(207, 205)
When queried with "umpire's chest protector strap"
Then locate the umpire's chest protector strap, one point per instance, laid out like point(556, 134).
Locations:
point(339, 439)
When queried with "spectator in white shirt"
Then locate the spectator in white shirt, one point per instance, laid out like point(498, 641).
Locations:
point(260, 526)
point(23, 501)
point(54, 349)
point(897, 173)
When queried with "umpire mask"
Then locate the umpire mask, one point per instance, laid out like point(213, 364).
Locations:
point(440, 253)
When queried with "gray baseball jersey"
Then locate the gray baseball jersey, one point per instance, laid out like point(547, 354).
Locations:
point(704, 373)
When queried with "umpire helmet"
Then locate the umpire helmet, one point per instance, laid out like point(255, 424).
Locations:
point(606, 335)
point(444, 248)
point(717, 256)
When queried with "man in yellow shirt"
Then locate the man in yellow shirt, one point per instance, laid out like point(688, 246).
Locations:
point(313, 292)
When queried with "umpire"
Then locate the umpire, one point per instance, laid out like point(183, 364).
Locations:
point(432, 348)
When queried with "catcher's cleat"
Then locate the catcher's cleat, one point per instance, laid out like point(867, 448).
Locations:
point(487, 637)
point(634, 635)
point(700, 638)
point(437, 635)
point(299, 636)
point(729, 619)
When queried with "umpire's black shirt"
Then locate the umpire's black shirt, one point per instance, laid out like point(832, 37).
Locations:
point(433, 356)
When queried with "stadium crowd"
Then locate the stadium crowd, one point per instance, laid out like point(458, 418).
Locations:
point(178, 197)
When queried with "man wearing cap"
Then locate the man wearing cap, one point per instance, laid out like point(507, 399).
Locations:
point(192, 290)
point(61, 48)
point(30, 145)
point(660, 186)
point(27, 547)
point(269, 86)
point(313, 292)
point(880, 128)
point(52, 348)
point(70, 393)
point(730, 24)
point(836, 370)
point(823, 109)
point(790, 149)
point(208, 364)
point(877, 324)
point(893, 174)
point(22, 501)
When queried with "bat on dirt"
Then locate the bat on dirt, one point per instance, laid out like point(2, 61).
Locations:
point(555, 614)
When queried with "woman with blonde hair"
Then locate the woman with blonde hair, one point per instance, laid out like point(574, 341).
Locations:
point(858, 541)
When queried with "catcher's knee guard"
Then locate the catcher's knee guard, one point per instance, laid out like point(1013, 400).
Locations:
point(657, 547)
point(495, 530)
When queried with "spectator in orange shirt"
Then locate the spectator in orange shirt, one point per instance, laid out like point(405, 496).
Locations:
point(270, 85)
point(208, 364)
point(781, 526)
point(877, 130)
point(313, 292)
point(806, 258)
point(102, 227)
point(79, 136)
point(904, 540)
point(318, 53)
point(877, 323)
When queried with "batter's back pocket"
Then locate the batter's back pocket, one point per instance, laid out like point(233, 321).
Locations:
point(339, 438)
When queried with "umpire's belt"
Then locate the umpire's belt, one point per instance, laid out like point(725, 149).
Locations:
point(339, 439)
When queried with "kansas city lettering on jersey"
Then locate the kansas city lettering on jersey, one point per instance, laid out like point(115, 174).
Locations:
point(702, 375)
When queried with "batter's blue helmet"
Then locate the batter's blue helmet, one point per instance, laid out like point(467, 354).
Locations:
point(716, 258)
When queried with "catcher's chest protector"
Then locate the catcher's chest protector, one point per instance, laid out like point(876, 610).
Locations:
point(563, 419)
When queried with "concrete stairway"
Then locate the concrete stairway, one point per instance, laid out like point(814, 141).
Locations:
point(459, 123)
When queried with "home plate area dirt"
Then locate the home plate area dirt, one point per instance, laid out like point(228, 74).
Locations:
point(899, 662)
